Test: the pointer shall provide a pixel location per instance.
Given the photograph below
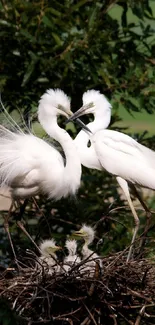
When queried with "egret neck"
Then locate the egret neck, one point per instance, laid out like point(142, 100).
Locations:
point(87, 153)
point(71, 175)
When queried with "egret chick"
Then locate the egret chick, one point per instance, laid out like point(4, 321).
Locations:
point(48, 257)
point(72, 258)
point(88, 233)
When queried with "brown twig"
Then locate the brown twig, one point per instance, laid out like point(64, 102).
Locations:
point(90, 314)
point(139, 317)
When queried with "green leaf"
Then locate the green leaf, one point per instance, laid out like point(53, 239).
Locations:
point(124, 14)
point(30, 69)
point(47, 22)
point(5, 23)
point(54, 11)
point(92, 18)
point(25, 33)
point(137, 10)
point(57, 39)
point(79, 4)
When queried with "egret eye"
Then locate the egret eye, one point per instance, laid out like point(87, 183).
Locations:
point(62, 108)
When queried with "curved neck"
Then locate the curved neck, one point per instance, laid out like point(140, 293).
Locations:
point(86, 251)
point(87, 154)
point(71, 173)
point(72, 252)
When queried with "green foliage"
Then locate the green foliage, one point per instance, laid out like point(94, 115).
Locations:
point(79, 45)
point(76, 45)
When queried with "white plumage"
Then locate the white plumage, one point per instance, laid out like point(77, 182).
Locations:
point(118, 153)
point(88, 233)
point(29, 165)
point(102, 116)
point(72, 258)
point(125, 157)
point(48, 257)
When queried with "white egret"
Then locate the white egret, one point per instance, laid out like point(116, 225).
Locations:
point(48, 257)
point(72, 258)
point(116, 152)
point(88, 233)
point(29, 165)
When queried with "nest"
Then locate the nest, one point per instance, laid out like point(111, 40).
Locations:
point(122, 293)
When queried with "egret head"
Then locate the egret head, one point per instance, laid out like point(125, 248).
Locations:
point(54, 102)
point(86, 232)
point(48, 247)
point(71, 245)
point(93, 103)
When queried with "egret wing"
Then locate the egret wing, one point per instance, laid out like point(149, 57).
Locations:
point(21, 153)
point(123, 156)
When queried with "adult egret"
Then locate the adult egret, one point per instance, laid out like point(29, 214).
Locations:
point(48, 257)
point(72, 258)
point(29, 165)
point(116, 152)
point(88, 233)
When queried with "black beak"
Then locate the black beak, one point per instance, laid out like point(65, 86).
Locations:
point(74, 116)
point(81, 111)
point(79, 122)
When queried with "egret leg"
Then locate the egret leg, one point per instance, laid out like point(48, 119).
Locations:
point(148, 212)
point(6, 226)
point(124, 186)
point(148, 217)
point(42, 213)
point(21, 226)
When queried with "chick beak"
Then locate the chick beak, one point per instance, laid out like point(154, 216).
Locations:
point(58, 248)
point(77, 234)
